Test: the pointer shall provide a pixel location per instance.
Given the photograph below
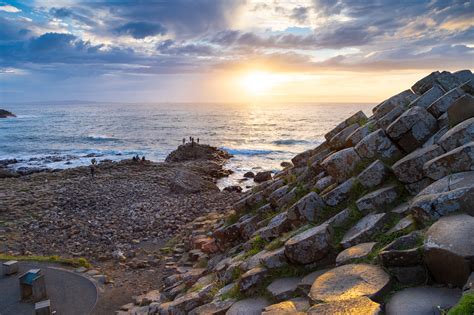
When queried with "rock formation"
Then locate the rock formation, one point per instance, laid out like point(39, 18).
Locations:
point(6, 114)
point(385, 202)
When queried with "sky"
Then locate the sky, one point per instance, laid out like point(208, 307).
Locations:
point(228, 50)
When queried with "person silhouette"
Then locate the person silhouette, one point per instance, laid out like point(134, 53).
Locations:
point(184, 141)
point(198, 140)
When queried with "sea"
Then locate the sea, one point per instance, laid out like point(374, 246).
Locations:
point(260, 136)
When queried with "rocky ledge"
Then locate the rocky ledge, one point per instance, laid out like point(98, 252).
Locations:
point(6, 114)
point(377, 218)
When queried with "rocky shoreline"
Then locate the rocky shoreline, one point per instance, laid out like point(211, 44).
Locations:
point(118, 219)
point(377, 219)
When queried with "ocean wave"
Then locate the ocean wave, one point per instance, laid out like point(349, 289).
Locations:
point(289, 142)
point(250, 152)
point(98, 137)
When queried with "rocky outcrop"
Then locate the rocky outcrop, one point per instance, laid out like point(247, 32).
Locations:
point(5, 114)
point(386, 199)
point(195, 151)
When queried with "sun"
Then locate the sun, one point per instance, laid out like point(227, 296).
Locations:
point(258, 82)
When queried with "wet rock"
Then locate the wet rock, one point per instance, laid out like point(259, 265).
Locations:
point(252, 278)
point(442, 104)
point(249, 175)
point(253, 306)
point(413, 128)
point(310, 245)
point(427, 98)
point(338, 142)
point(449, 194)
point(410, 168)
point(461, 109)
point(283, 288)
point(5, 114)
point(363, 230)
point(377, 200)
point(305, 209)
point(360, 305)
point(341, 164)
point(450, 242)
point(378, 146)
point(457, 160)
point(457, 136)
point(373, 175)
point(339, 194)
point(263, 176)
point(350, 281)
point(355, 252)
point(422, 301)
point(356, 136)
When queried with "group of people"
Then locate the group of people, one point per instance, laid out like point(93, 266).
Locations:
point(136, 158)
point(191, 140)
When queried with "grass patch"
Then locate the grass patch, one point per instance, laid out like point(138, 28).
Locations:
point(76, 262)
point(257, 244)
point(232, 218)
point(233, 293)
point(464, 306)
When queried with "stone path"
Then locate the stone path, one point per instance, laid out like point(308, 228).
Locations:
point(70, 293)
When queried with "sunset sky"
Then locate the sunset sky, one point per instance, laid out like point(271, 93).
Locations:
point(227, 50)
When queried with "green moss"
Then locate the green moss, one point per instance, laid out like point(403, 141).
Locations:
point(76, 262)
point(232, 218)
point(372, 126)
point(233, 293)
point(464, 306)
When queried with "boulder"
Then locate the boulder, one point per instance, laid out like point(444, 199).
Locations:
point(457, 136)
point(373, 175)
point(442, 104)
point(413, 128)
point(338, 142)
point(447, 195)
point(295, 306)
point(339, 219)
point(283, 288)
point(448, 81)
point(460, 159)
point(410, 168)
point(423, 85)
point(410, 275)
point(252, 279)
point(305, 210)
point(357, 135)
point(214, 308)
point(402, 99)
point(463, 75)
point(249, 175)
point(341, 164)
point(449, 249)
point(358, 117)
point(377, 145)
point(422, 301)
point(278, 225)
point(402, 252)
point(286, 199)
point(435, 138)
point(367, 227)
point(189, 301)
point(324, 183)
point(308, 280)
point(277, 194)
point(310, 245)
point(249, 202)
point(274, 259)
point(385, 121)
point(461, 109)
point(252, 306)
point(360, 305)
point(350, 281)
point(263, 176)
point(415, 188)
point(355, 252)
point(427, 98)
point(377, 200)
point(339, 193)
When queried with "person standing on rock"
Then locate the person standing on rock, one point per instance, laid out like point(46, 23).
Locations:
point(198, 140)
point(184, 141)
point(92, 167)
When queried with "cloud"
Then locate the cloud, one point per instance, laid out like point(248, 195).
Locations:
point(9, 8)
point(140, 30)
point(300, 14)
